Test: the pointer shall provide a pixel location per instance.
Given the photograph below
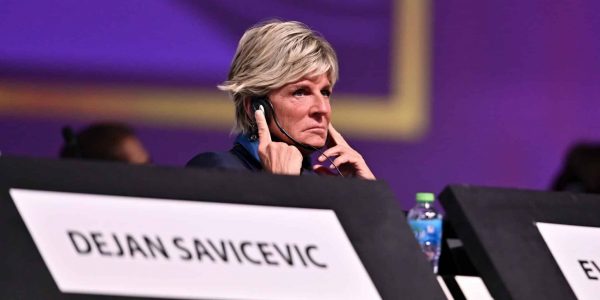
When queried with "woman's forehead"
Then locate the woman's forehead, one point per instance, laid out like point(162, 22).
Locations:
point(317, 80)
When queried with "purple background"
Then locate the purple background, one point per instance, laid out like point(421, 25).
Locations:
point(513, 83)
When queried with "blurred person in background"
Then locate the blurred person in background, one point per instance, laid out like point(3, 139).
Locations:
point(281, 80)
point(104, 141)
point(581, 170)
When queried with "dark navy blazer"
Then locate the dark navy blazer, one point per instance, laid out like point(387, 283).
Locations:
point(238, 158)
point(243, 156)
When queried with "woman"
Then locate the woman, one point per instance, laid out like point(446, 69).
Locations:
point(288, 71)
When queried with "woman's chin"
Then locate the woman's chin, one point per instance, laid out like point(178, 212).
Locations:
point(317, 142)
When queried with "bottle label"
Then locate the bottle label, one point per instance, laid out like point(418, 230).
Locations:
point(427, 230)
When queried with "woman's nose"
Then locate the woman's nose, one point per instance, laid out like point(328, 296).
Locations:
point(321, 104)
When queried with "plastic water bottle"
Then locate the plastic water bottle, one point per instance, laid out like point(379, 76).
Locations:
point(426, 223)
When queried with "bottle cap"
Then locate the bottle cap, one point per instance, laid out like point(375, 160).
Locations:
point(425, 197)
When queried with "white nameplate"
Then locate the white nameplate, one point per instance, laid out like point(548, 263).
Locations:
point(444, 288)
point(473, 288)
point(127, 246)
point(576, 250)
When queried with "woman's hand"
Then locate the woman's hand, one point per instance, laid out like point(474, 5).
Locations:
point(350, 162)
point(276, 157)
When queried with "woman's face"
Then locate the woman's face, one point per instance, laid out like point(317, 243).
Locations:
point(303, 110)
point(132, 151)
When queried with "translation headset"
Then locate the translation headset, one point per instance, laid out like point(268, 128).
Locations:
point(269, 111)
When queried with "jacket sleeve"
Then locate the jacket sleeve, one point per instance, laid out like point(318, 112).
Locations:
point(216, 160)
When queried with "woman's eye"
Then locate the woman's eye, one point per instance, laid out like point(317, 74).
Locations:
point(299, 92)
point(326, 93)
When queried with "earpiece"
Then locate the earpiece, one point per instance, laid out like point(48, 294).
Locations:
point(264, 101)
point(270, 113)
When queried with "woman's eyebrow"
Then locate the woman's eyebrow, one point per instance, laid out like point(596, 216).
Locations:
point(305, 85)
point(299, 85)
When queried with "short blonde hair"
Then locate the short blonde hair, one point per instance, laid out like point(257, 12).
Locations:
point(271, 55)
